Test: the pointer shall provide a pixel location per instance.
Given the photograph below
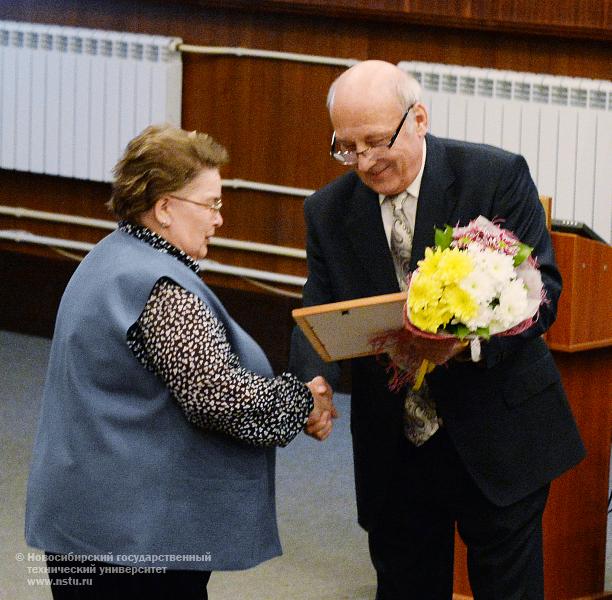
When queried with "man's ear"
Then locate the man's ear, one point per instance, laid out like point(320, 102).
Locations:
point(421, 118)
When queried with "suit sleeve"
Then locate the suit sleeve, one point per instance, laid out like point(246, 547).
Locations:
point(517, 202)
point(304, 361)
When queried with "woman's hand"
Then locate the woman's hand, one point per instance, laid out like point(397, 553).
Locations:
point(320, 421)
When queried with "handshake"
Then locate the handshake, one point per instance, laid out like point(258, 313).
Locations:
point(319, 424)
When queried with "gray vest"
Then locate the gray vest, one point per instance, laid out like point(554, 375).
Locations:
point(117, 471)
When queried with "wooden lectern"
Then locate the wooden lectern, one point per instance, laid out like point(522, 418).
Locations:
point(581, 340)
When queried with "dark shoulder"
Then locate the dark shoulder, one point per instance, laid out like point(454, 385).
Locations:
point(481, 158)
point(328, 204)
point(335, 192)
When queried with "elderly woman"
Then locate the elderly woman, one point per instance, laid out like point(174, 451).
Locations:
point(154, 460)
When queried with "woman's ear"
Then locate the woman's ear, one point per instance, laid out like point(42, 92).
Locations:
point(162, 212)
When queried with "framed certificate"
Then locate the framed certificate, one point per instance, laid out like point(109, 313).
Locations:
point(343, 330)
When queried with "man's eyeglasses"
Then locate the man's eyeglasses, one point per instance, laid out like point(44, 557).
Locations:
point(350, 156)
point(215, 206)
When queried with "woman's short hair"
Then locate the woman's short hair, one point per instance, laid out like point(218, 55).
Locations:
point(160, 160)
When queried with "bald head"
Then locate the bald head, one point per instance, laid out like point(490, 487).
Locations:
point(373, 81)
point(376, 115)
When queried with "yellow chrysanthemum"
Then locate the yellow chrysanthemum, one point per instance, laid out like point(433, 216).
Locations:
point(435, 297)
point(463, 304)
point(432, 317)
point(424, 291)
point(429, 264)
point(454, 265)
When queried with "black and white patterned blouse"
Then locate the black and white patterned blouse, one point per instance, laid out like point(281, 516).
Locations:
point(178, 338)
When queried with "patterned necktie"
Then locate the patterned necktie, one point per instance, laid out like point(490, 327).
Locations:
point(401, 239)
point(420, 418)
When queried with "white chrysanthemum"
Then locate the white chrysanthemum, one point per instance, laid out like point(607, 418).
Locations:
point(479, 284)
point(499, 267)
point(482, 319)
point(513, 307)
point(531, 277)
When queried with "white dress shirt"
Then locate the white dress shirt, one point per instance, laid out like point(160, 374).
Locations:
point(410, 204)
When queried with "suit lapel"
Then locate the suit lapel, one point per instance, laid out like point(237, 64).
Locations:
point(364, 227)
point(436, 202)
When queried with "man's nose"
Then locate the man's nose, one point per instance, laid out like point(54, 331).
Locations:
point(364, 161)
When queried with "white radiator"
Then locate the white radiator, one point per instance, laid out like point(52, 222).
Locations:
point(71, 98)
point(561, 125)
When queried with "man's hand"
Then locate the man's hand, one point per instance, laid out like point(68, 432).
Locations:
point(438, 351)
point(416, 345)
point(319, 424)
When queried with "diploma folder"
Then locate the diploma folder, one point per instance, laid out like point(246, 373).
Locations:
point(342, 330)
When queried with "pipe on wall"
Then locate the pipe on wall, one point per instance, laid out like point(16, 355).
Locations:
point(27, 213)
point(206, 264)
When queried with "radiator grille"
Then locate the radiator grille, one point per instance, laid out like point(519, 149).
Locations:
point(71, 98)
point(561, 125)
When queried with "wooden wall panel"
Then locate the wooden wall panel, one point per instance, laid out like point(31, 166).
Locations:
point(32, 287)
point(271, 114)
point(583, 315)
point(587, 19)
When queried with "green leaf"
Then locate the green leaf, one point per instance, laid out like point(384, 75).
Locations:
point(444, 237)
point(523, 252)
point(462, 331)
point(483, 332)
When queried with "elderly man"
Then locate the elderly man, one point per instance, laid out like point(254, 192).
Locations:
point(479, 446)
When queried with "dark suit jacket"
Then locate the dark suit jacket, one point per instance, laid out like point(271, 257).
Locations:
point(507, 416)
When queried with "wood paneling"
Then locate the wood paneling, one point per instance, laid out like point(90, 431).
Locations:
point(583, 317)
point(271, 114)
point(32, 287)
point(589, 19)
point(575, 521)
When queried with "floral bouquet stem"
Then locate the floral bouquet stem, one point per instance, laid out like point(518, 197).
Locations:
point(478, 281)
point(425, 368)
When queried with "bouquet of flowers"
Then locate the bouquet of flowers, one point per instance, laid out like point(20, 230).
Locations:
point(478, 281)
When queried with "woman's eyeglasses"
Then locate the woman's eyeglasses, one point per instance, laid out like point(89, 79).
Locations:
point(215, 206)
